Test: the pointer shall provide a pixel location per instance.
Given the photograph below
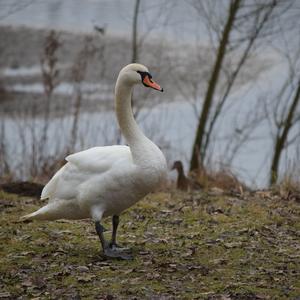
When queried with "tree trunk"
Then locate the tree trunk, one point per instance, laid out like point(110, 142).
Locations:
point(135, 50)
point(198, 143)
point(254, 35)
point(282, 138)
point(134, 57)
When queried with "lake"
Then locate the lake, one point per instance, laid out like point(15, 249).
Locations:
point(170, 123)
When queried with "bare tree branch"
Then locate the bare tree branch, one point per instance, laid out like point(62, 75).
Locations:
point(200, 134)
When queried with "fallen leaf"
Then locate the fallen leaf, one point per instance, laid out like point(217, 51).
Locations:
point(85, 278)
point(232, 245)
point(129, 271)
point(215, 191)
point(27, 283)
point(83, 269)
point(5, 295)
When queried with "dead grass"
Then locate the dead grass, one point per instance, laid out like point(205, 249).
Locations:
point(186, 246)
point(223, 179)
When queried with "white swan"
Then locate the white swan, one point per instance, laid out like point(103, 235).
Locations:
point(104, 181)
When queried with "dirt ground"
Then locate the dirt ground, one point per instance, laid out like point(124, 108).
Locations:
point(197, 245)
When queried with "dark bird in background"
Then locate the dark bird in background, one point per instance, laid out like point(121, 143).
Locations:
point(182, 181)
point(100, 29)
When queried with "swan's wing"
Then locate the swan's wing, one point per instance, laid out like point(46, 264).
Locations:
point(99, 159)
point(81, 167)
point(50, 187)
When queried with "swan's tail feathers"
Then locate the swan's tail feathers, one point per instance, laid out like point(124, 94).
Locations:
point(44, 213)
point(33, 216)
point(27, 218)
point(58, 209)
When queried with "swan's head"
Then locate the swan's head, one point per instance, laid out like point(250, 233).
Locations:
point(137, 73)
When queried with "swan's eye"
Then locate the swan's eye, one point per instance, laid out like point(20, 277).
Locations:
point(144, 74)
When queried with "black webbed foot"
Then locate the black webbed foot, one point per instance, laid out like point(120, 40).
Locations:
point(117, 247)
point(112, 249)
point(117, 252)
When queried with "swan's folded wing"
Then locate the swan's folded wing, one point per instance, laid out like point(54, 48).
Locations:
point(83, 166)
point(51, 186)
point(99, 159)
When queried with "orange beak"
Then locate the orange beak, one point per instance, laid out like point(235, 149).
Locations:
point(150, 83)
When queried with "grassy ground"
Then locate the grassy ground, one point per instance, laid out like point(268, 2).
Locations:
point(186, 246)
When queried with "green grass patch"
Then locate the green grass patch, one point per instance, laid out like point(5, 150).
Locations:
point(186, 246)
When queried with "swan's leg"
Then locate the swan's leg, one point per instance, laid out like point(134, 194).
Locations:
point(113, 243)
point(115, 223)
point(100, 229)
point(109, 251)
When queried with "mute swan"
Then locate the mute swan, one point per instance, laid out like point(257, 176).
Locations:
point(104, 181)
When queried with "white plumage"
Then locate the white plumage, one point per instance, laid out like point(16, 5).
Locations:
point(104, 181)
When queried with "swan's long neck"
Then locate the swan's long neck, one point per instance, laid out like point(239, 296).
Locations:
point(144, 152)
point(129, 128)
